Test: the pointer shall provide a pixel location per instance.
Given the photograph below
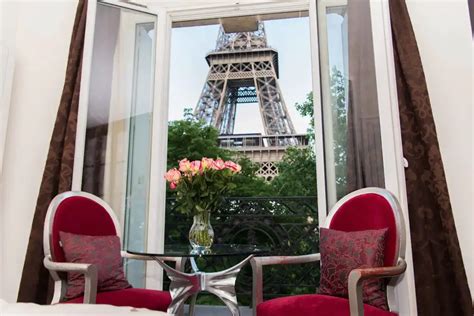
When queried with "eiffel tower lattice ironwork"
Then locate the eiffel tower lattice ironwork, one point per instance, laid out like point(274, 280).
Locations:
point(243, 69)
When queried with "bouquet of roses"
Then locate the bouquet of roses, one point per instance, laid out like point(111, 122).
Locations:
point(201, 184)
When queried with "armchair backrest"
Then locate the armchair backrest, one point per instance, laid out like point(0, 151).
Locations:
point(371, 208)
point(78, 213)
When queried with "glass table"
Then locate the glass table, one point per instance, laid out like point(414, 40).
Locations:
point(185, 285)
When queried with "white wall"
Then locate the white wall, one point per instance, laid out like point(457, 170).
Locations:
point(443, 33)
point(7, 65)
point(40, 32)
point(6, 53)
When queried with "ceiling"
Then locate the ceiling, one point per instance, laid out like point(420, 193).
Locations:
point(178, 4)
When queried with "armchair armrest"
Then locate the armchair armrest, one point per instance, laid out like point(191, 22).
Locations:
point(257, 264)
point(356, 277)
point(179, 261)
point(89, 271)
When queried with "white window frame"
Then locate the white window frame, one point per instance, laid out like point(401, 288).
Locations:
point(392, 148)
point(202, 10)
point(322, 5)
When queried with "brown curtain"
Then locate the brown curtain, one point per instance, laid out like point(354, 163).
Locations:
point(35, 285)
point(364, 144)
point(440, 279)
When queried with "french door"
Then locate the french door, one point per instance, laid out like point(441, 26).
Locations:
point(121, 142)
point(117, 105)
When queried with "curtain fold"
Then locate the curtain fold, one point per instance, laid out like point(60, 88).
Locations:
point(364, 143)
point(36, 285)
point(440, 278)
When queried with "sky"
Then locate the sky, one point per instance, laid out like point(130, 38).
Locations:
point(335, 40)
point(291, 37)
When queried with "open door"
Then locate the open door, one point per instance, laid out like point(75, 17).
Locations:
point(359, 110)
point(115, 120)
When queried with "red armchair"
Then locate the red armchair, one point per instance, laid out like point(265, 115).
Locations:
point(85, 214)
point(365, 209)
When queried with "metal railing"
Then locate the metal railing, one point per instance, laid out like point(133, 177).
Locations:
point(256, 141)
point(287, 225)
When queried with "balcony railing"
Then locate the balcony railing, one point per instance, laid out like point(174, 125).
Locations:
point(288, 225)
point(257, 141)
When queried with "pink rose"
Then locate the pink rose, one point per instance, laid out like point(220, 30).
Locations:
point(195, 167)
point(173, 185)
point(206, 163)
point(184, 165)
point(173, 175)
point(218, 164)
point(233, 166)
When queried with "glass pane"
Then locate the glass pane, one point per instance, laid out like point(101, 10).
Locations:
point(353, 151)
point(217, 250)
point(118, 135)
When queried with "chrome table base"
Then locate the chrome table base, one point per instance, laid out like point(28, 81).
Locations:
point(184, 285)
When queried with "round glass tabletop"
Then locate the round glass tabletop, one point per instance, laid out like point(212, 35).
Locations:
point(215, 251)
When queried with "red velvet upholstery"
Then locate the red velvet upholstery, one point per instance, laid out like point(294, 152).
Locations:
point(369, 211)
point(139, 298)
point(82, 216)
point(313, 304)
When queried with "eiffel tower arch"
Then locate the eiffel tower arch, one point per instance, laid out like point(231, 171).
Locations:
point(243, 68)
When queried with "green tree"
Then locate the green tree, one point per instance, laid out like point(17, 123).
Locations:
point(296, 173)
point(192, 139)
point(247, 183)
point(306, 108)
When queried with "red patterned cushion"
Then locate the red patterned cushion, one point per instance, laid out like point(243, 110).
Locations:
point(313, 304)
point(104, 252)
point(341, 252)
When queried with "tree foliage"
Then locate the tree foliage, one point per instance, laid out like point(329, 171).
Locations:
point(296, 173)
point(306, 109)
point(192, 139)
point(248, 184)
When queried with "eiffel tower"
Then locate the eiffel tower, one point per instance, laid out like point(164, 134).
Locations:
point(243, 69)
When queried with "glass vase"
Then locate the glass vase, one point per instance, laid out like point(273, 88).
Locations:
point(201, 234)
